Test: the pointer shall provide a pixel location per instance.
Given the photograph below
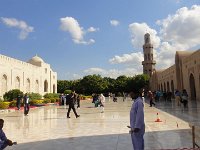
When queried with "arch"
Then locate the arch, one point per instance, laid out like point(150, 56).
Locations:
point(164, 87)
point(172, 87)
point(151, 56)
point(161, 87)
point(36, 86)
point(148, 56)
point(17, 83)
point(45, 86)
point(4, 84)
point(168, 88)
point(192, 87)
point(54, 88)
point(28, 85)
point(199, 81)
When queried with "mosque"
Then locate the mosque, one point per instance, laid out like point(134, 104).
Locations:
point(32, 76)
point(184, 74)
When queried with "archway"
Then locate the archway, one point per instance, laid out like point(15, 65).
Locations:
point(164, 87)
point(172, 87)
point(36, 86)
point(192, 87)
point(17, 83)
point(28, 85)
point(45, 86)
point(54, 88)
point(161, 87)
point(4, 83)
point(168, 88)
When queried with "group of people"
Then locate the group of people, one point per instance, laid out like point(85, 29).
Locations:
point(181, 97)
point(156, 96)
point(99, 100)
point(25, 100)
point(137, 125)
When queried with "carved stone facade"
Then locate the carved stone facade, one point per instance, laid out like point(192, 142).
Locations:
point(184, 74)
point(32, 76)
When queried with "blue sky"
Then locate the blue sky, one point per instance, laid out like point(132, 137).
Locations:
point(82, 37)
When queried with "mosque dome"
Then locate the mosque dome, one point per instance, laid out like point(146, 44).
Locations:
point(36, 60)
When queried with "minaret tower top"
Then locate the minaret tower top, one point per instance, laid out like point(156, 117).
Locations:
point(149, 62)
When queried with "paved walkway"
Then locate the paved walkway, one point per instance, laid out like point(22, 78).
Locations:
point(47, 128)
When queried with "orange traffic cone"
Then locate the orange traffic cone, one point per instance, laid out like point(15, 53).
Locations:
point(158, 119)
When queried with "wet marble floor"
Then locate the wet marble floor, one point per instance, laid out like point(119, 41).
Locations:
point(47, 128)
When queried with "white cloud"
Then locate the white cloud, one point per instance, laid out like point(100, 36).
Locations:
point(179, 31)
point(182, 30)
point(77, 32)
point(92, 29)
point(94, 71)
point(134, 58)
point(113, 73)
point(138, 30)
point(114, 22)
point(22, 25)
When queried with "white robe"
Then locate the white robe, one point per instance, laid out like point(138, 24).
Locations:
point(137, 121)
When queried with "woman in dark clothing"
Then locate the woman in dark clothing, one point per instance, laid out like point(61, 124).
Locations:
point(71, 99)
point(184, 97)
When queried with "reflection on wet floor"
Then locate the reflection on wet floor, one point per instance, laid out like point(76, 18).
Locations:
point(48, 127)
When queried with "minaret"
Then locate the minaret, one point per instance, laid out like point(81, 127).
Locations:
point(149, 62)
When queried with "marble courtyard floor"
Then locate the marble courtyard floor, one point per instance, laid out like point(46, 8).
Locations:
point(47, 128)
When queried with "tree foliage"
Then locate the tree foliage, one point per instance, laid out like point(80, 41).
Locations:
point(96, 84)
point(12, 94)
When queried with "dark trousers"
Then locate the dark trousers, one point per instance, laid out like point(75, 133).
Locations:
point(18, 105)
point(5, 144)
point(71, 106)
point(152, 103)
point(78, 103)
point(26, 109)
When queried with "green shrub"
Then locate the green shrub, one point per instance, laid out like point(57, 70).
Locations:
point(119, 94)
point(34, 102)
point(51, 95)
point(34, 96)
point(13, 103)
point(4, 105)
point(46, 100)
point(53, 100)
point(12, 94)
point(67, 91)
point(57, 99)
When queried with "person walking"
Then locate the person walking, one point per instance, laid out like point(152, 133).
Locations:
point(18, 101)
point(184, 97)
point(4, 142)
point(178, 97)
point(137, 124)
point(78, 101)
point(26, 104)
point(71, 99)
point(102, 102)
point(151, 97)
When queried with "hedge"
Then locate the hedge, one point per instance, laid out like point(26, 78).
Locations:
point(4, 105)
